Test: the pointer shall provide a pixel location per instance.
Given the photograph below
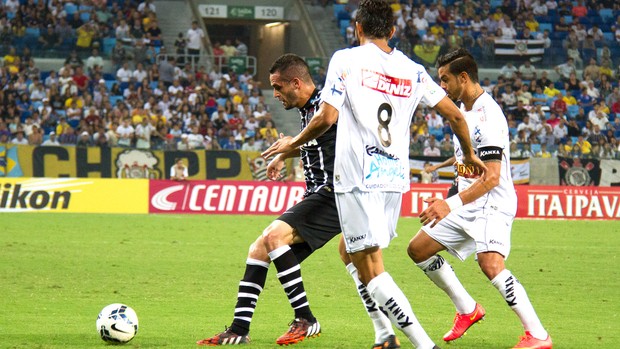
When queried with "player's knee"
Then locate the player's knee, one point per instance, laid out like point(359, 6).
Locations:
point(490, 268)
point(274, 236)
point(416, 252)
point(258, 251)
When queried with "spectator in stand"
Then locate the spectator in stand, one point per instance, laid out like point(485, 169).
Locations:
point(166, 71)
point(242, 48)
point(432, 149)
point(508, 70)
point(195, 36)
point(145, 6)
point(68, 137)
point(154, 34)
point(229, 49)
point(566, 69)
point(527, 70)
point(124, 74)
point(579, 10)
point(125, 133)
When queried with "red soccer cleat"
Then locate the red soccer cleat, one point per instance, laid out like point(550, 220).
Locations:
point(529, 342)
point(299, 330)
point(462, 322)
point(228, 337)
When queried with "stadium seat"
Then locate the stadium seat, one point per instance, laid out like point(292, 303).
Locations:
point(535, 148)
point(338, 8)
point(114, 99)
point(568, 19)
point(607, 15)
point(547, 26)
point(108, 45)
point(109, 84)
point(70, 9)
point(572, 110)
point(85, 16)
point(609, 37)
point(73, 123)
point(343, 23)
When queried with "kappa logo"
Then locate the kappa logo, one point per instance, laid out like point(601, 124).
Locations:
point(355, 239)
point(495, 242)
point(489, 152)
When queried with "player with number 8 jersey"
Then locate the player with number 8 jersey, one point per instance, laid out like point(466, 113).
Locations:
point(381, 92)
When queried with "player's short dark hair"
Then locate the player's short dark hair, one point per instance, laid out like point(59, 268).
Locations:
point(459, 61)
point(376, 18)
point(291, 66)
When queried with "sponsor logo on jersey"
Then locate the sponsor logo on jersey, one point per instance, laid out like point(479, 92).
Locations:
point(354, 239)
point(468, 171)
point(386, 84)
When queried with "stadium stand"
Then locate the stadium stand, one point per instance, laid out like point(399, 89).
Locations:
point(188, 103)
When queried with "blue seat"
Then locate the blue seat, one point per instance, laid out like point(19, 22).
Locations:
point(568, 19)
point(33, 32)
point(70, 9)
point(108, 45)
point(339, 8)
point(572, 110)
point(109, 84)
point(609, 37)
point(114, 99)
point(85, 16)
point(607, 15)
point(74, 123)
point(344, 23)
point(535, 148)
point(545, 26)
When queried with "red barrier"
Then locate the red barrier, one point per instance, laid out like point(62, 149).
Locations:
point(273, 198)
point(536, 201)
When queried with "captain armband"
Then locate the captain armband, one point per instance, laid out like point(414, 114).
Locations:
point(490, 153)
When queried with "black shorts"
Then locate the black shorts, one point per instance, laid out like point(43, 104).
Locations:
point(315, 218)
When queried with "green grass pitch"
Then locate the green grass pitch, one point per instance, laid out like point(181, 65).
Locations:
point(180, 274)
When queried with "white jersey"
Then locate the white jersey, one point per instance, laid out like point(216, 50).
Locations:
point(488, 131)
point(376, 94)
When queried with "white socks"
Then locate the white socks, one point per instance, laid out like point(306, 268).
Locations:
point(392, 301)
point(381, 323)
point(516, 297)
point(441, 273)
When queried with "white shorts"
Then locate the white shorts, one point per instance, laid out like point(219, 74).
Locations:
point(368, 219)
point(463, 235)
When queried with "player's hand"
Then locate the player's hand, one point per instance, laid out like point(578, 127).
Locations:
point(473, 160)
point(437, 211)
point(282, 145)
point(274, 169)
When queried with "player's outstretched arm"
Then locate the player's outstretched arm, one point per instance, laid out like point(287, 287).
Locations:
point(322, 120)
point(448, 162)
point(448, 109)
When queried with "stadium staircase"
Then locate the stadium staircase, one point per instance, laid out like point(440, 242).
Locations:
point(326, 26)
point(177, 19)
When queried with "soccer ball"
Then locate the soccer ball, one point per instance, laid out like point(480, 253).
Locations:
point(117, 323)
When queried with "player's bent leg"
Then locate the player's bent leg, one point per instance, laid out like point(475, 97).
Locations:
point(250, 287)
point(423, 251)
point(492, 264)
point(389, 296)
point(277, 238)
point(384, 333)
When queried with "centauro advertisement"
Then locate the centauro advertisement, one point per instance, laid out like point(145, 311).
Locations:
point(76, 195)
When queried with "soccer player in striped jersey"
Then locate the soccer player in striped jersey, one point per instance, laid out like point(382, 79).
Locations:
point(372, 92)
point(479, 218)
point(301, 229)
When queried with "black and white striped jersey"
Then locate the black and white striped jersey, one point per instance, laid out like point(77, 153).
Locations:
point(318, 155)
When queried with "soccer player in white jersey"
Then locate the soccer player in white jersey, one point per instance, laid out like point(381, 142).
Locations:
point(372, 92)
point(479, 218)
